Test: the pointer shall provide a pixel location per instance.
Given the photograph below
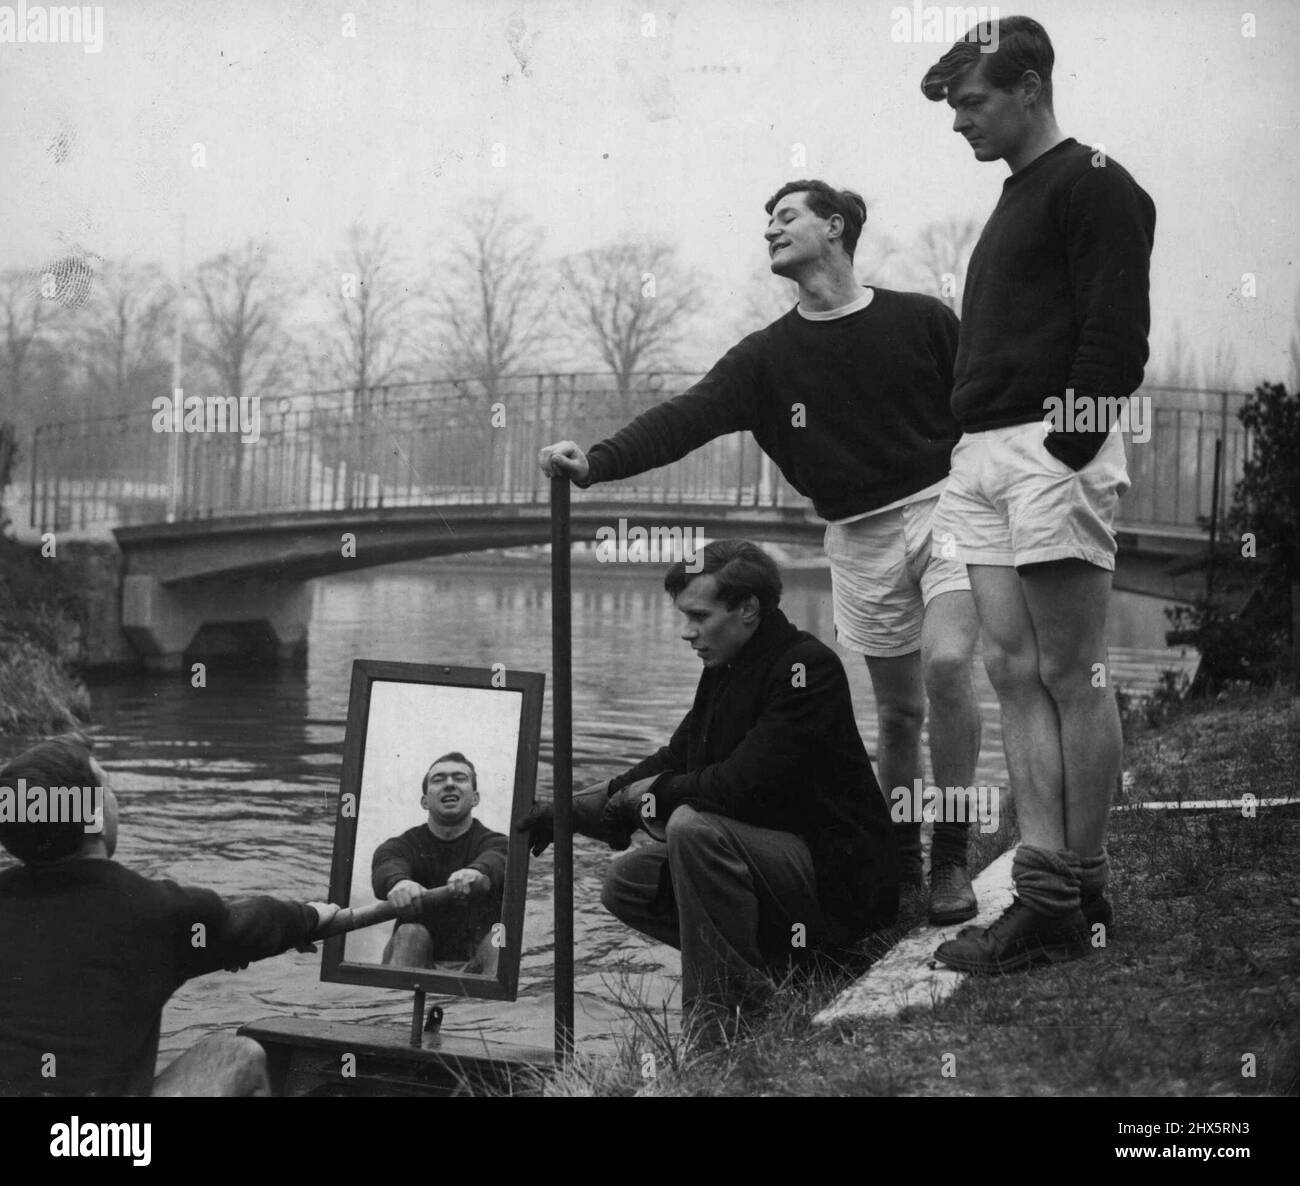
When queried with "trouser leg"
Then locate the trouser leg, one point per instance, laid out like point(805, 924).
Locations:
point(746, 902)
point(633, 893)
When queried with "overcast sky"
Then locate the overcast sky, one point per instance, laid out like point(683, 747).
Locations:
point(606, 130)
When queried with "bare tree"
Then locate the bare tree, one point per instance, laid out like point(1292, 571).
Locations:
point(23, 312)
point(1179, 366)
point(631, 303)
point(878, 259)
point(122, 333)
point(370, 323)
point(1219, 371)
point(491, 305)
point(238, 335)
point(763, 299)
point(940, 257)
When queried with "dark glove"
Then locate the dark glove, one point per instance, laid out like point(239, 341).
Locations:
point(588, 820)
point(634, 807)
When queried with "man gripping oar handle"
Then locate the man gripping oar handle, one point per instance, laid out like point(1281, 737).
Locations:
point(355, 918)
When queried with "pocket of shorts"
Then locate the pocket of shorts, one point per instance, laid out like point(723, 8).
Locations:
point(1035, 447)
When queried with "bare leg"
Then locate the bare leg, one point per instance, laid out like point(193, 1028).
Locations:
point(485, 958)
point(947, 649)
point(222, 1065)
point(1067, 602)
point(900, 712)
point(410, 946)
point(1031, 727)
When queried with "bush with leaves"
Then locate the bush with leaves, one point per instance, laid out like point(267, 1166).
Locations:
point(1254, 643)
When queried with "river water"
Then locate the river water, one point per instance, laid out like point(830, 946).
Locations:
point(233, 786)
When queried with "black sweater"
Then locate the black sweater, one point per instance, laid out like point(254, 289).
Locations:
point(418, 855)
point(772, 740)
point(89, 954)
point(1056, 296)
point(874, 386)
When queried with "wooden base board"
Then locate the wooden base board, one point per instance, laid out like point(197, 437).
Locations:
point(306, 1057)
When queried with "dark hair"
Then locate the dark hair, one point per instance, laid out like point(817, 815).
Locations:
point(741, 570)
point(56, 762)
point(1022, 44)
point(824, 200)
point(454, 756)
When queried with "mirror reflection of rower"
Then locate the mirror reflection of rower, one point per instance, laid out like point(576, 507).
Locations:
point(450, 848)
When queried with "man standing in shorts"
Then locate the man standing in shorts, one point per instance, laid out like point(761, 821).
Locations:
point(1053, 337)
point(848, 393)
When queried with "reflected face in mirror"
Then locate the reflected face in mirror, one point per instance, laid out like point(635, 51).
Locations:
point(450, 796)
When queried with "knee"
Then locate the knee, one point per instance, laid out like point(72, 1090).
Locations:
point(947, 675)
point(900, 721)
point(250, 1068)
point(1069, 678)
point(239, 1064)
point(687, 829)
point(1010, 669)
point(611, 895)
point(410, 943)
point(246, 1053)
point(410, 932)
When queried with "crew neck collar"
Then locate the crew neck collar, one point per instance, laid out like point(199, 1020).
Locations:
point(1054, 151)
point(868, 295)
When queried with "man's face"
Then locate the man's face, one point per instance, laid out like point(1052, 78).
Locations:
point(994, 122)
point(796, 237)
point(715, 632)
point(449, 795)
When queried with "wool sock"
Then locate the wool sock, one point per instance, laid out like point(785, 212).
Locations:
point(908, 839)
point(1046, 881)
point(1094, 873)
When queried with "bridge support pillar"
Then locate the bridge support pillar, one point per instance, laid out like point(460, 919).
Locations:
point(264, 620)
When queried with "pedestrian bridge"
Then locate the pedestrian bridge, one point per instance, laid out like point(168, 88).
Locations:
point(224, 526)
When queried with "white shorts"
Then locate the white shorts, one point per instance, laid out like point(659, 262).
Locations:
point(883, 575)
point(1009, 502)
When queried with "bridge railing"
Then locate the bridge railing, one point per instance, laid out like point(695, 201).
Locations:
point(466, 441)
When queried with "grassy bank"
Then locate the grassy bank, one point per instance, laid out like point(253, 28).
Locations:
point(39, 629)
point(1197, 992)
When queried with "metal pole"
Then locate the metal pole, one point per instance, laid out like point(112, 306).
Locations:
point(36, 448)
point(1214, 517)
point(178, 364)
point(417, 1018)
point(562, 743)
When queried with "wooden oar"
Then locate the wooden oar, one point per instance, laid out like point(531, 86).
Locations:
point(354, 918)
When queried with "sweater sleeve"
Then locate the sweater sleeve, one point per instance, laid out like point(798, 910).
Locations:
point(240, 930)
point(392, 863)
point(763, 779)
point(944, 331)
point(1110, 224)
point(669, 757)
point(718, 404)
point(490, 859)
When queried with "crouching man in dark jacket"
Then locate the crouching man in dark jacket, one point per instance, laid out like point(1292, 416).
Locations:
point(775, 837)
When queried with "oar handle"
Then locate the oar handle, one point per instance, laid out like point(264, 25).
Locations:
point(354, 918)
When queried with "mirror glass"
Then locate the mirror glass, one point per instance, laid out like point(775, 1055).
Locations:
point(436, 765)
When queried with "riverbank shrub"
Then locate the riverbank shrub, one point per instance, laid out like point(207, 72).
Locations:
point(1260, 535)
point(40, 628)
